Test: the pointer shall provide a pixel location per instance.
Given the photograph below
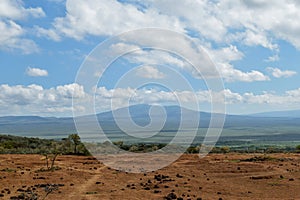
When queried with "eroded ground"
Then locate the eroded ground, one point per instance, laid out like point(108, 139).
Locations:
point(217, 176)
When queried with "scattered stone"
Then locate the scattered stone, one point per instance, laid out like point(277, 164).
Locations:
point(281, 176)
point(171, 196)
point(260, 177)
point(179, 176)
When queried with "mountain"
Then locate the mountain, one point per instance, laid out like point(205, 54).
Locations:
point(275, 125)
point(288, 114)
point(24, 119)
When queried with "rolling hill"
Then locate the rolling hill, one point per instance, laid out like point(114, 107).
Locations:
point(276, 126)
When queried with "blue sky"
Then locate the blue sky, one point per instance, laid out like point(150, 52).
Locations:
point(254, 45)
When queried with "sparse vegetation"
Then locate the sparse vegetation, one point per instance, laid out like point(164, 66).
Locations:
point(72, 145)
point(23, 145)
point(75, 140)
point(50, 158)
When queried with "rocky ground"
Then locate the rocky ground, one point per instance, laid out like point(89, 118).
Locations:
point(217, 176)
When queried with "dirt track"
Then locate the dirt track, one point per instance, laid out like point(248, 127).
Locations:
point(217, 176)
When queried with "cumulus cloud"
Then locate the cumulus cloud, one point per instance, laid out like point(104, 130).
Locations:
point(14, 9)
point(34, 99)
point(223, 22)
point(11, 33)
point(222, 59)
point(51, 34)
point(149, 72)
point(122, 95)
point(57, 101)
point(230, 74)
point(36, 72)
point(11, 38)
point(278, 73)
point(248, 22)
point(91, 17)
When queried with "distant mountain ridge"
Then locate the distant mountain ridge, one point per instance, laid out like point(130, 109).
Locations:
point(288, 113)
point(60, 127)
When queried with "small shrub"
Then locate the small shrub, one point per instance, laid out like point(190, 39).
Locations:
point(225, 149)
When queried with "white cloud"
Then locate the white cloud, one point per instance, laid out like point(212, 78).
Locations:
point(51, 34)
point(231, 75)
point(11, 33)
point(221, 57)
point(14, 9)
point(57, 101)
point(226, 54)
point(149, 72)
point(34, 99)
point(71, 91)
point(107, 17)
point(9, 30)
point(262, 21)
point(36, 72)
point(11, 38)
point(250, 22)
point(121, 97)
point(273, 58)
point(278, 73)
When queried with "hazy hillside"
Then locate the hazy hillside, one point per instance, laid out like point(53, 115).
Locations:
point(289, 114)
point(236, 128)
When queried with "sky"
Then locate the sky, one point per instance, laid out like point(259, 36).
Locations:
point(253, 44)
